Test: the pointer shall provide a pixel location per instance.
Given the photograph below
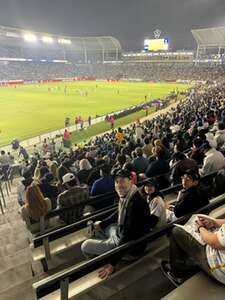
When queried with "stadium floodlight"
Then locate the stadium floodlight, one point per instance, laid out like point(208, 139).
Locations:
point(30, 37)
point(64, 41)
point(47, 39)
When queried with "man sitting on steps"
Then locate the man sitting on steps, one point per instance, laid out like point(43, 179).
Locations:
point(129, 222)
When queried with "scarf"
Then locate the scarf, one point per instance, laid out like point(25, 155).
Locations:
point(123, 204)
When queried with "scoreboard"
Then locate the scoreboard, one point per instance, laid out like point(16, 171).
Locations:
point(156, 45)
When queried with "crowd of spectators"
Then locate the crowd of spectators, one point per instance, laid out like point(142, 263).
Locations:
point(146, 71)
point(189, 137)
point(178, 147)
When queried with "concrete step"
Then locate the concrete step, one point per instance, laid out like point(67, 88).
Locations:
point(92, 287)
point(13, 261)
point(15, 276)
point(23, 291)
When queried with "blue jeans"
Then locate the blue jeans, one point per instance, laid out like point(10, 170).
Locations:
point(103, 241)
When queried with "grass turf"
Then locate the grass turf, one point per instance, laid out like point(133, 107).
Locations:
point(31, 110)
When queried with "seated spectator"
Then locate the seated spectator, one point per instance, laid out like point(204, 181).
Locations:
point(220, 135)
point(95, 172)
point(213, 161)
point(158, 143)
point(129, 222)
point(155, 201)
point(21, 189)
point(48, 189)
point(130, 168)
point(196, 153)
point(105, 184)
point(182, 163)
point(158, 166)
point(188, 256)
point(53, 169)
point(191, 198)
point(147, 148)
point(73, 194)
point(140, 163)
point(120, 161)
point(36, 206)
point(85, 170)
point(63, 169)
point(39, 173)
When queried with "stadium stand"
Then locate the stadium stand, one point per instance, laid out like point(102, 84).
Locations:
point(143, 71)
point(48, 250)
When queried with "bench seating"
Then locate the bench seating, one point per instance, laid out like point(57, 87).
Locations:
point(200, 286)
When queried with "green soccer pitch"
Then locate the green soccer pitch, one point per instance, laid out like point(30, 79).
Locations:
point(31, 110)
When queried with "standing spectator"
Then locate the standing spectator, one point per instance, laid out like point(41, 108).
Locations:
point(44, 147)
point(24, 153)
point(89, 121)
point(112, 121)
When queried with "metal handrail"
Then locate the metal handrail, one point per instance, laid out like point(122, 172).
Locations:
point(53, 283)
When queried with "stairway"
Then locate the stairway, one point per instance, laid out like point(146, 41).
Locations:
point(15, 256)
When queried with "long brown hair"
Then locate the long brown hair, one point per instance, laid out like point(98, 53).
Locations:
point(35, 202)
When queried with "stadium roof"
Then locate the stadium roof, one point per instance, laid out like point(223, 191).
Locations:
point(99, 43)
point(210, 37)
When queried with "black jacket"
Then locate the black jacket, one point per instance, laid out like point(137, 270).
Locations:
point(136, 222)
point(190, 201)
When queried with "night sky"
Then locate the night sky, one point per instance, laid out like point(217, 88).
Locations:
point(128, 20)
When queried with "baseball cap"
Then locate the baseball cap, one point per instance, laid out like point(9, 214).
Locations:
point(194, 175)
point(68, 177)
point(151, 181)
point(123, 173)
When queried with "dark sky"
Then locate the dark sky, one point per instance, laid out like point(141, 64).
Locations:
point(128, 20)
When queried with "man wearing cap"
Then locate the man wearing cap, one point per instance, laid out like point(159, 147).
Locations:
point(73, 194)
point(129, 222)
point(192, 197)
point(213, 161)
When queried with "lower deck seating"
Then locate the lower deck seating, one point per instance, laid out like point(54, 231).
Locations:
point(198, 287)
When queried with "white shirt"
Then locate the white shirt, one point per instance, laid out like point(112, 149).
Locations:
point(157, 208)
point(214, 161)
point(216, 258)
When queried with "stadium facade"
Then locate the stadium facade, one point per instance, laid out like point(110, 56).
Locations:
point(18, 44)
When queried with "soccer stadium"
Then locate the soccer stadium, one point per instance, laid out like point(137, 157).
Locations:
point(112, 165)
